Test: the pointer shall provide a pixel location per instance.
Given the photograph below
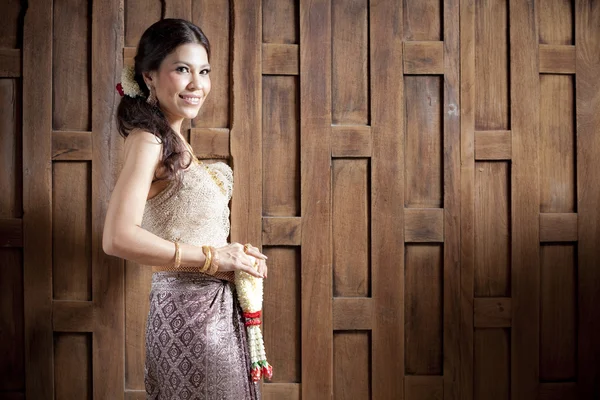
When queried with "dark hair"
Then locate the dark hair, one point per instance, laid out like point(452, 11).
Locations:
point(157, 42)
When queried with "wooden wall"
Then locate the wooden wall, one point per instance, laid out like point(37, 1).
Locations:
point(423, 176)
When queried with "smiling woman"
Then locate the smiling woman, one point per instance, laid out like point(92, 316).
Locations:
point(196, 345)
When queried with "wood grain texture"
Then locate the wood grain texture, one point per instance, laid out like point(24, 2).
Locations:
point(72, 316)
point(492, 312)
point(350, 228)
point(493, 145)
point(525, 199)
point(139, 15)
point(556, 23)
point(281, 146)
point(280, 59)
point(467, 196)
point(315, 123)
point(558, 391)
point(351, 361)
point(492, 355)
point(11, 232)
point(37, 199)
point(71, 146)
point(71, 231)
point(557, 59)
point(282, 314)
point(73, 366)
point(108, 275)
point(276, 391)
point(10, 28)
point(280, 21)
point(423, 58)
point(422, 20)
point(210, 142)
point(10, 63)
point(178, 9)
point(424, 387)
point(558, 227)
point(352, 313)
point(424, 309)
point(387, 198)
point(423, 141)
point(424, 225)
point(351, 141)
point(587, 37)
point(214, 18)
point(11, 162)
point(282, 231)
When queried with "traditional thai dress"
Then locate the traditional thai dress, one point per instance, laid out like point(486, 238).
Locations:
point(196, 344)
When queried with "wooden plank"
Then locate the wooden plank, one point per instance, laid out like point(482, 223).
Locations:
point(282, 231)
point(424, 225)
point(128, 56)
point(107, 272)
point(10, 63)
point(351, 360)
point(11, 232)
point(351, 141)
point(138, 15)
point(282, 314)
point(280, 59)
point(72, 316)
point(424, 387)
point(423, 307)
point(214, 17)
point(558, 391)
point(387, 198)
point(135, 395)
point(467, 196)
point(558, 227)
point(352, 313)
point(492, 356)
point(557, 59)
point(280, 21)
point(11, 176)
point(210, 142)
point(178, 9)
point(315, 123)
point(525, 200)
point(350, 227)
point(281, 146)
point(493, 145)
point(587, 37)
point(349, 62)
point(492, 312)
point(71, 145)
point(37, 199)
point(276, 391)
point(423, 58)
point(422, 20)
point(556, 23)
point(424, 141)
point(73, 365)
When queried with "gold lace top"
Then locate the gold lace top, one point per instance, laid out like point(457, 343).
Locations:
point(196, 214)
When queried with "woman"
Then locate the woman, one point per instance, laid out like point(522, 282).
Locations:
point(168, 209)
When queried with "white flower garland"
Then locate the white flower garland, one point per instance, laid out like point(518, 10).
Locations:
point(250, 295)
point(128, 85)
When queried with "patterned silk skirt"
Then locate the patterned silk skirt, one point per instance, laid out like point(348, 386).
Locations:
point(196, 344)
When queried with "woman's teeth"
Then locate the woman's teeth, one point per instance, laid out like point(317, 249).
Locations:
point(191, 100)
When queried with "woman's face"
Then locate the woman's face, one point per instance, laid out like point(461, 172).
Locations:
point(182, 82)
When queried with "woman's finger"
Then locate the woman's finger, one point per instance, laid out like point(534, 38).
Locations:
point(263, 268)
point(253, 251)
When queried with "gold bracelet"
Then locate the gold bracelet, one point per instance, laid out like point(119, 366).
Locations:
point(177, 255)
point(214, 264)
point(207, 250)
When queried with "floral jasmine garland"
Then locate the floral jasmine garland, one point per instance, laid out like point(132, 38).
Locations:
point(250, 294)
point(128, 85)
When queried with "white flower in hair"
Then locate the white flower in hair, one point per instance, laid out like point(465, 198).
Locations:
point(128, 85)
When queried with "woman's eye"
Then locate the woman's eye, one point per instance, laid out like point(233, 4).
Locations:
point(182, 69)
point(205, 71)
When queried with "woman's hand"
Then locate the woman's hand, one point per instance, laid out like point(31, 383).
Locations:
point(237, 257)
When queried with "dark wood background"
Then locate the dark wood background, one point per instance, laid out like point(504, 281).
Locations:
point(423, 175)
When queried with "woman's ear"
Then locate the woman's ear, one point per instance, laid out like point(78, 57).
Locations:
point(148, 78)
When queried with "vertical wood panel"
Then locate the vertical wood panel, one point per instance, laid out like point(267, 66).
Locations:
point(280, 21)
point(558, 313)
point(139, 15)
point(387, 198)
point(281, 147)
point(350, 219)
point(107, 272)
point(350, 58)
point(351, 365)
point(70, 65)
point(315, 129)
point(525, 193)
point(37, 199)
point(422, 20)
point(71, 230)
point(492, 229)
point(491, 60)
point(282, 309)
point(423, 309)
point(423, 139)
point(72, 366)
point(587, 26)
point(178, 9)
point(492, 364)
point(214, 20)
point(557, 144)
point(9, 28)
point(556, 23)
point(11, 177)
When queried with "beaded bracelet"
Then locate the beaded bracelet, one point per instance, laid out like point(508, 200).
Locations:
point(177, 255)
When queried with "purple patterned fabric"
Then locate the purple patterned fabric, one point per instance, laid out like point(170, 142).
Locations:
point(196, 340)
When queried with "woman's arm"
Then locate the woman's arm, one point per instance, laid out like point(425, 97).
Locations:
point(123, 235)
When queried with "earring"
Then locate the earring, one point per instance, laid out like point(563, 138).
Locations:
point(152, 100)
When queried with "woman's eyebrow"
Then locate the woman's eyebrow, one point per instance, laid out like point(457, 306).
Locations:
point(188, 64)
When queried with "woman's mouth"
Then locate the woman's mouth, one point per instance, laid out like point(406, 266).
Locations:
point(193, 100)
